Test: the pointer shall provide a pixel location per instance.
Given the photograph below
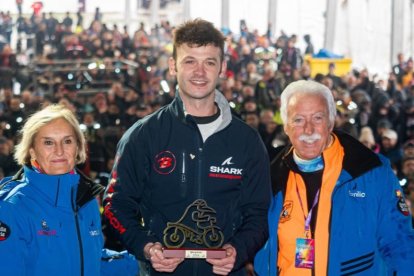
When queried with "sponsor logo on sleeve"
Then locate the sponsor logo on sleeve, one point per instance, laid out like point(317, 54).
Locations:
point(4, 231)
point(402, 205)
point(112, 219)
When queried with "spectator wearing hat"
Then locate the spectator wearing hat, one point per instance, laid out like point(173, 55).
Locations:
point(391, 149)
point(408, 149)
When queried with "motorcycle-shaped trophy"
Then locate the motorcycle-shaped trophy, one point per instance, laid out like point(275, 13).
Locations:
point(205, 233)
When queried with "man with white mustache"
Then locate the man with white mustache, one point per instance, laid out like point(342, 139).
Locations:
point(337, 207)
point(309, 138)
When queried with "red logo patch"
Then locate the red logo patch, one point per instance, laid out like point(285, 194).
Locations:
point(164, 162)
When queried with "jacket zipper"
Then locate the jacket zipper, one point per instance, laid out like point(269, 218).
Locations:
point(200, 154)
point(200, 145)
point(75, 211)
point(199, 170)
point(183, 169)
point(198, 192)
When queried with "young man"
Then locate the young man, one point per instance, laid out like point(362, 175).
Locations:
point(338, 208)
point(191, 175)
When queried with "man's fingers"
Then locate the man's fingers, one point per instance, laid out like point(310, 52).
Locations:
point(165, 264)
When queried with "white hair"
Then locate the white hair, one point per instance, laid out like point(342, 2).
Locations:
point(307, 87)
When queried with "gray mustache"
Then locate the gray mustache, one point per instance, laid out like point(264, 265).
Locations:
point(310, 138)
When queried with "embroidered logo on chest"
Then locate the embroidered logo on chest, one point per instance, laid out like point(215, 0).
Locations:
point(165, 162)
point(46, 231)
point(93, 230)
point(226, 170)
point(286, 213)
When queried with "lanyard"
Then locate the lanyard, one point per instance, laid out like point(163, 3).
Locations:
point(309, 216)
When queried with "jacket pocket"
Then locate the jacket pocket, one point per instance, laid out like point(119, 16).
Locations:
point(358, 264)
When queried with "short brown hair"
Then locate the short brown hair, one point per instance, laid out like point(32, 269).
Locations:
point(198, 32)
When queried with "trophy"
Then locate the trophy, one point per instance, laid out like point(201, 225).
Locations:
point(205, 234)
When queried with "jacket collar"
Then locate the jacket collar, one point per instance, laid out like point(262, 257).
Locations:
point(358, 160)
point(177, 107)
point(87, 189)
point(59, 190)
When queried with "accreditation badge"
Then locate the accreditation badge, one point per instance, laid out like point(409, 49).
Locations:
point(305, 253)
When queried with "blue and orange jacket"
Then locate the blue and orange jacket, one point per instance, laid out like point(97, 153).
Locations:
point(50, 225)
point(370, 230)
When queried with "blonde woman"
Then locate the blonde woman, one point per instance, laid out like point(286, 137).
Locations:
point(49, 218)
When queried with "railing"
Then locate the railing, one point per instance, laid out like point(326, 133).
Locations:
point(77, 73)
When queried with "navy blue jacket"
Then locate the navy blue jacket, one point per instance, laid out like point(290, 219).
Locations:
point(50, 225)
point(163, 165)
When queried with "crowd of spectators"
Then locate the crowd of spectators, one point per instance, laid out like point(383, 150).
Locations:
point(126, 77)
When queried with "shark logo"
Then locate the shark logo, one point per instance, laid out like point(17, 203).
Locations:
point(224, 171)
point(227, 161)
